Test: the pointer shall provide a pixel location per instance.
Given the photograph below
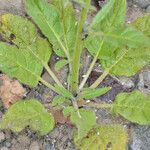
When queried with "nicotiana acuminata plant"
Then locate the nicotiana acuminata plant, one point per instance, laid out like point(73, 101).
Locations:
point(122, 50)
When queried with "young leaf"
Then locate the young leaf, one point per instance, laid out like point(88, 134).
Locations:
point(28, 54)
point(64, 92)
point(56, 23)
point(84, 123)
point(104, 137)
point(68, 111)
point(90, 93)
point(28, 113)
point(133, 106)
point(69, 23)
point(58, 100)
point(112, 15)
point(60, 64)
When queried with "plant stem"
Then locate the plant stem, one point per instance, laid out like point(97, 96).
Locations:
point(78, 49)
point(106, 72)
point(52, 75)
point(91, 68)
point(100, 79)
point(49, 85)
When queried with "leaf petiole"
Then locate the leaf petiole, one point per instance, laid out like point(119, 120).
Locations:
point(107, 71)
point(48, 69)
point(91, 68)
point(49, 85)
point(78, 49)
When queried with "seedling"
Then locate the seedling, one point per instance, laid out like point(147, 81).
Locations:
point(122, 50)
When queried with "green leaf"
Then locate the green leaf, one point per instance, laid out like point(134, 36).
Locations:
point(104, 137)
point(68, 110)
point(64, 92)
point(28, 113)
point(69, 23)
point(122, 45)
point(134, 106)
point(89, 93)
point(56, 23)
point(25, 58)
point(116, 59)
point(59, 100)
point(120, 37)
point(112, 15)
point(60, 64)
point(84, 123)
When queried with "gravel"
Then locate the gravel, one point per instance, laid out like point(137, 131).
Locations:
point(34, 146)
point(4, 148)
point(2, 136)
point(140, 138)
point(142, 3)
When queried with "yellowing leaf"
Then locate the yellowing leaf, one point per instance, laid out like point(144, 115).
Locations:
point(104, 137)
point(28, 53)
point(28, 113)
point(10, 91)
point(143, 24)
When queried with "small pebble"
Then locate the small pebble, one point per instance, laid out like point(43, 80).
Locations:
point(49, 147)
point(7, 144)
point(34, 146)
point(2, 136)
point(88, 101)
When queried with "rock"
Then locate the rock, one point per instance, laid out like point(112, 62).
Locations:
point(12, 6)
point(49, 147)
point(133, 12)
point(140, 138)
point(8, 144)
point(126, 82)
point(4, 148)
point(144, 80)
point(142, 3)
point(34, 146)
point(148, 9)
point(47, 77)
point(130, 3)
point(2, 136)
